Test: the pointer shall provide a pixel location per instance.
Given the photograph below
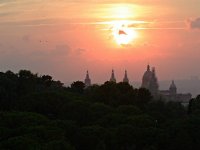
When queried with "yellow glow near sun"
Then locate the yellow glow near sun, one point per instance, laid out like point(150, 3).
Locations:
point(122, 33)
point(122, 11)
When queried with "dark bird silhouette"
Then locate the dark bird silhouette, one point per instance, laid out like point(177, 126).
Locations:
point(122, 32)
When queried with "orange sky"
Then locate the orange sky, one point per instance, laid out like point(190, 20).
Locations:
point(65, 38)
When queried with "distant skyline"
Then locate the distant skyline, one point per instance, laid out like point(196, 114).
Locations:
point(67, 37)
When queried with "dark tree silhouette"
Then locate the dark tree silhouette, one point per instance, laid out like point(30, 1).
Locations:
point(78, 86)
point(37, 112)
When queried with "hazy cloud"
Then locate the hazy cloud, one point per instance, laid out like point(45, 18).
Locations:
point(6, 1)
point(56, 52)
point(195, 23)
point(26, 38)
point(6, 14)
point(62, 49)
point(80, 51)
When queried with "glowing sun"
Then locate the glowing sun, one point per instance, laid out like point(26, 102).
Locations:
point(123, 33)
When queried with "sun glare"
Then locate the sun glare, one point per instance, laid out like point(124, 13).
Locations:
point(122, 31)
point(123, 34)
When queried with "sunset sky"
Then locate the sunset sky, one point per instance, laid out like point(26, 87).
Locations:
point(64, 38)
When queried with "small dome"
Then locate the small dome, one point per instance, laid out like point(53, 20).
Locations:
point(172, 86)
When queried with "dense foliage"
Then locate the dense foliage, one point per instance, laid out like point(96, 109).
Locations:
point(38, 113)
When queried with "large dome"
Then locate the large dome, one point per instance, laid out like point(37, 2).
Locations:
point(147, 78)
point(147, 75)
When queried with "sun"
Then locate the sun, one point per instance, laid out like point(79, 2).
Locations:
point(123, 33)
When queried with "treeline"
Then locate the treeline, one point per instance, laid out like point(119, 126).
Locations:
point(38, 113)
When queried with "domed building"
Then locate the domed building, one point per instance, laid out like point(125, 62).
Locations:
point(150, 81)
point(146, 78)
point(172, 95)
point(172, 88)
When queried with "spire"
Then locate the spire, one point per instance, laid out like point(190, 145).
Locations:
point(87, 75)
point(112, 78)
point(173, 82)
point(87, 80)
point(148, 67)
point(126, 80)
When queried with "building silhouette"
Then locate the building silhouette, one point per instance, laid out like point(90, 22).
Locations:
point(172, 95)
point(150, 82)
point(172, 88)
point(112, 78)
point(87, 80)
point(125, 79)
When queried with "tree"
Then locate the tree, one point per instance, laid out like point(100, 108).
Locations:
point(78, 86)
point(143, 97)
point(194, 105)
point(47, 80)
point(90, 138)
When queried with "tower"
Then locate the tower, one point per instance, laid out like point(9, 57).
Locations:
point(126, 80)
point(112, 78)
point(172, 88)
point(87, 80)
point(153, 87)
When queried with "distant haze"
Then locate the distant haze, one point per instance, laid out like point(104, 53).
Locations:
point(183, 86)
point(67, 37)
